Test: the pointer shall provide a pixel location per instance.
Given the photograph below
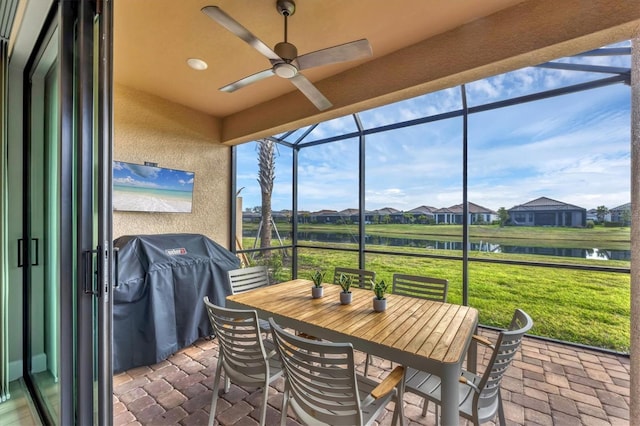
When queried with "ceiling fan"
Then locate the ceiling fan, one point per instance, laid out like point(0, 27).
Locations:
point(285, 62)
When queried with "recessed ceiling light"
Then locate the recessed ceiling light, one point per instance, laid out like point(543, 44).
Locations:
point(197, 64)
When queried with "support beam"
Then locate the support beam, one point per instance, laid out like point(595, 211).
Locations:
point(634, 414)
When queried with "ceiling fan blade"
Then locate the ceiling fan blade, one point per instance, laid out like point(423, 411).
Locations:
point(215, 13)
point(310, 91)
point(345, 52)
point(247, 81)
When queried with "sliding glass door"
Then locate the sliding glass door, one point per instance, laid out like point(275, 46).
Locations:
point(40, 264)
point(66, 247)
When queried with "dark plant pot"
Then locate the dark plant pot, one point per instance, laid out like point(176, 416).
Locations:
point(379, 305)
point(317, 292)
point(345, 298)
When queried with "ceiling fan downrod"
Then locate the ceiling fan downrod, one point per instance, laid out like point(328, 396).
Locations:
point(287, 51)
point(286, 8)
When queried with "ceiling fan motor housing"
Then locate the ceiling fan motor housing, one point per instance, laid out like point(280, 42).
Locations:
point(286, 51)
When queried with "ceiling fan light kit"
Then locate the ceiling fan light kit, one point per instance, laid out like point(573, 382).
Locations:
point(285, 70)
point(284, 59)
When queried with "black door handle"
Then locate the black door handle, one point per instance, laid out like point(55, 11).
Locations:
point(37, 252)
point(20, 264)
point(37, 262)
point(89, 273)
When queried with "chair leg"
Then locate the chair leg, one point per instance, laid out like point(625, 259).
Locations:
point(398, 412)
point(425, 406)
point(366, 365)
point(394, 420)
point(216, 389)
point(501, 409)
point(368, 361)
point(285, 406)
point(263, 410)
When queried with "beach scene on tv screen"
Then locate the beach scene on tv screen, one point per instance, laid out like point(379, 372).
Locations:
point(141, 188)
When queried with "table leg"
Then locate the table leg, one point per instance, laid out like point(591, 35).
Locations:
point(401, 397)
point(472, 355)
point(449, 396)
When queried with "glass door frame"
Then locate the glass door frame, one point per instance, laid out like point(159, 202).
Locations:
point(85, 224)
point(28, 256)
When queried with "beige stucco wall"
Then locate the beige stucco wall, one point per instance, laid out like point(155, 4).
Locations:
point(148, 128)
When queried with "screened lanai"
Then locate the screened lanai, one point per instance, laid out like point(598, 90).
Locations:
point(434, 185)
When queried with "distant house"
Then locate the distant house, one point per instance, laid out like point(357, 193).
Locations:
point(395, 215)
point(282, 216)
point(448, 215)
point(481, 214)
point(544, 211)
point(423, 213)
point(592, 214)
point(621, 214)
point(332, 216)
point(455, 214)
point(304, 216)
point(349, 216)
point(324, 216)
point(251, 217)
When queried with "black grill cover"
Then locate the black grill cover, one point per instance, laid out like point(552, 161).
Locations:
point(157, 305)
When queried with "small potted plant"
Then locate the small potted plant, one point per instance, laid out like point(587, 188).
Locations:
point(379, 301)
point(317, 290)
point(345, 283)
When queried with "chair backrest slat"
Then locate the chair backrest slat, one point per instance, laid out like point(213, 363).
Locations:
point(359, 277)
point(241, 348)
point(245, 279)
point(320, 377)
point(420, 286)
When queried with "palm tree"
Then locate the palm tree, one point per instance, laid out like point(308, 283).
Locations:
point(266, 176)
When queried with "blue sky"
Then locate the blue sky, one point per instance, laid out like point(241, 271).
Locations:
point(140, 176)
point(573, 148)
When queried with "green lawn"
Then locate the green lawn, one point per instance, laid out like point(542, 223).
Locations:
point(586, 307)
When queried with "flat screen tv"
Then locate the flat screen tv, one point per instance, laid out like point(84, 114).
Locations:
point(144, 188)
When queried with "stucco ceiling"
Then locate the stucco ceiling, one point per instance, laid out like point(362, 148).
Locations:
point(418, 46)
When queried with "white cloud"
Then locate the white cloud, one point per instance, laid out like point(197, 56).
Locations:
point(573, 148)
point(130, 181)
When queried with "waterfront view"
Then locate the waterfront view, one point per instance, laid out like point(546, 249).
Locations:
point(611, 244)
point(593, 253)
point(541, 156)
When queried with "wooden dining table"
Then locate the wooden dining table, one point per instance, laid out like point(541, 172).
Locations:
point(423, 334)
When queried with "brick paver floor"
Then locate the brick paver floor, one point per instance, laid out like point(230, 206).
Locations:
point(548, 384)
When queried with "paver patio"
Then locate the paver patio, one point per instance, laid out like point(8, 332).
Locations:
point(548, 384)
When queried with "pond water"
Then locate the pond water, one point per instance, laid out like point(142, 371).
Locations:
point(485, 246)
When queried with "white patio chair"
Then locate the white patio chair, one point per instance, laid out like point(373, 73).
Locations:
point(245, 279)
point(321, 385)
point(359, 277)
point(480, 398)
point(421, 287)
point(245, 358)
